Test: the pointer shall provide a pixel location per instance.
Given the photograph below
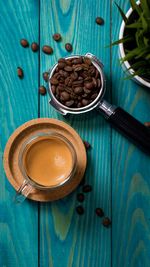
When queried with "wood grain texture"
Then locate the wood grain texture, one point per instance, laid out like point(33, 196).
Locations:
point(18, 103)
point(130, 170)
point(66, 239)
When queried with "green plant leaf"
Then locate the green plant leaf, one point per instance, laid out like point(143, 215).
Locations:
point(135, 25)
point(123, 40)
point(145, 7)
point(135, 7)
point(122, 13)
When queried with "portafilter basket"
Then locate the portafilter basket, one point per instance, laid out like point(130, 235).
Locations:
point(137, 132)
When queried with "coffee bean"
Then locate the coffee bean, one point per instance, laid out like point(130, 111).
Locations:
point(45, 76)
point(88, 79)
point(79, 105)
point(42, 90)
point(68, 69)
point(34, 47)
point(99, 21)
point(78, 68)
point(24, 43)
point(147, 124)
point(47, 49)
point(86, 91)
point(63, 73)
point(61, 65)
point(69, 62)
point(97, 74)
point(65, 96)
point(61, 60)
point(94, 82)
point(87, 188)
point(69, 103)
point(57, 75)
point(61, 88)
point(99, 212)
point(57, 37)
point(77, 83)
point(106, 222)
point(87, 61)
point(88, 85)
point(92, 70)
point(86, 144)
point(85, 102)
point(54, 81)
point(78, 90)
point(68, 47)
point(53, 88)
point(80, 197)
point(57, 69)
point(80, 210)
point(98, 83)
point(74, 76)
point(94, 96)
point(77, 60)
point(20, 72)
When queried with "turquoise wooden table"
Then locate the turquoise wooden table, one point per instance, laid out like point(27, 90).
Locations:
point(53, 234)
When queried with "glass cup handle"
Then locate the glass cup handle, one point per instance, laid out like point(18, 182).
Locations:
point(24, 190)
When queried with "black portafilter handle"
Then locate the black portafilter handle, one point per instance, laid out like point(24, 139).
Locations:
point(121, 120)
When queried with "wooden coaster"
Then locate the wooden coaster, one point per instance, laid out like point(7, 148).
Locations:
point(25, 131)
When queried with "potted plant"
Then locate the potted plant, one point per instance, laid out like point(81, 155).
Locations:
point(134, 41)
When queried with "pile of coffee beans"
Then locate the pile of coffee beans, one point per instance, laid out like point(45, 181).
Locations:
point(76, 82)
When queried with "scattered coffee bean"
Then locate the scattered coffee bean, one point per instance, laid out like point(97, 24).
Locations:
point(20, 72)
point(24, 43)
point(106, 222)
point(42, 90)
point(78, 77)
point(80, 197)
point(99, 212)
point(99, 21)
point(45, 76)
point(87, 188)
point(34, 47)
point(57, 37)
point(68, 47)
point(80, 210)
point(86, 144)
point(147, 124)
point(47, 49)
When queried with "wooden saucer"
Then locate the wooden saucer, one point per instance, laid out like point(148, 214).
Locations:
point(30, 128)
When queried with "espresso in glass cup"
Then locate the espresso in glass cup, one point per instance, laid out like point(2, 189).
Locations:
point(47, 161)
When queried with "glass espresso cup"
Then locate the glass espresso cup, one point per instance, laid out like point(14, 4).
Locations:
point(47, 162)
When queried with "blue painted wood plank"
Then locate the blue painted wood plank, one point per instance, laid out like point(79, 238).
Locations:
point(130, 170)
point(65, 238)
point(18, 103)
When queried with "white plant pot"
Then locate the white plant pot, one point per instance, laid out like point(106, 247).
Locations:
point(126, 65)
